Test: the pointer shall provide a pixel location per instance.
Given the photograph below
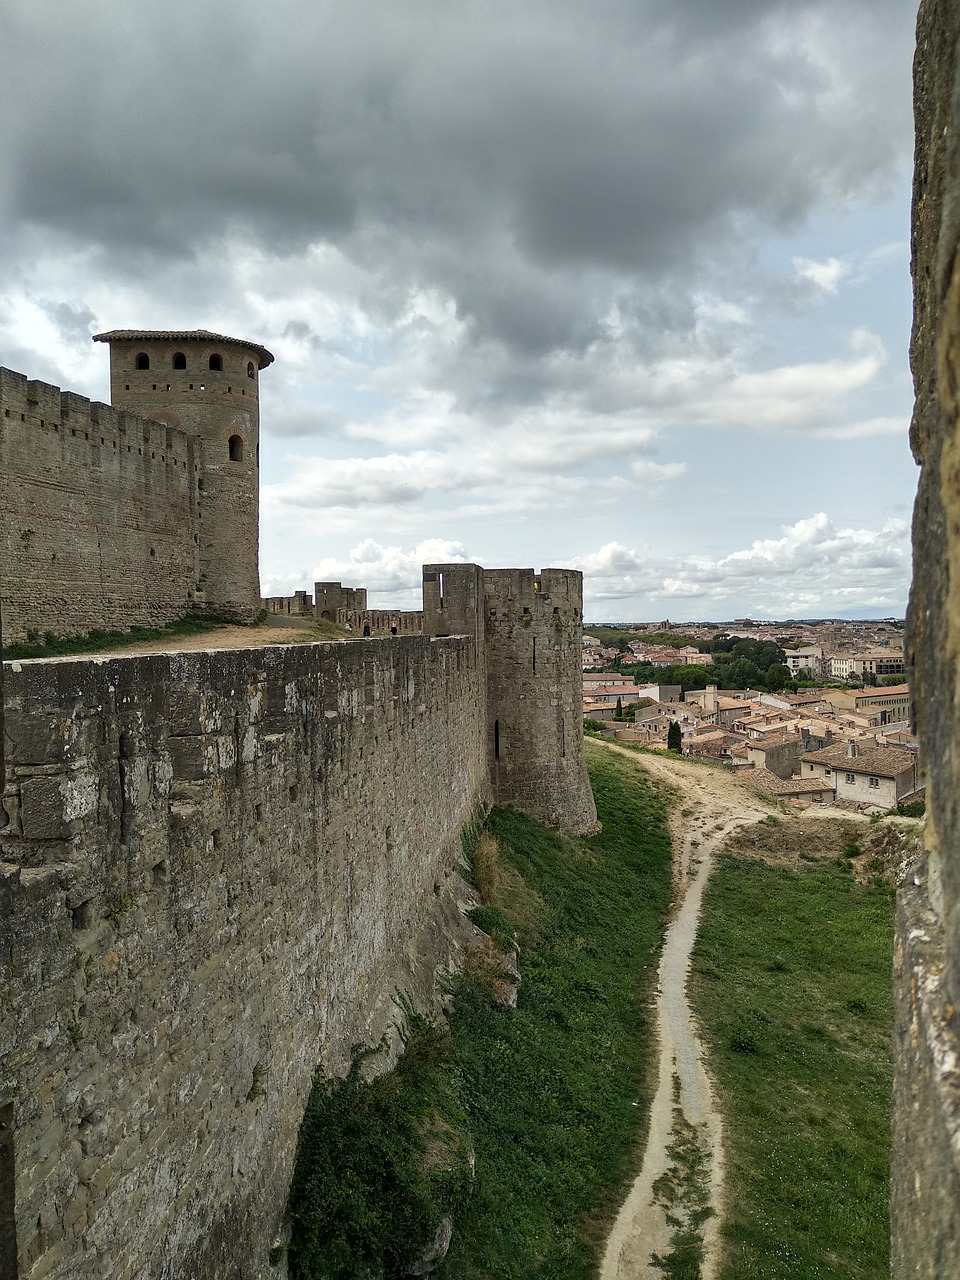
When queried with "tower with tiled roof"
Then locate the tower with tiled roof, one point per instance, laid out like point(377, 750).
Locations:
point(206, 384)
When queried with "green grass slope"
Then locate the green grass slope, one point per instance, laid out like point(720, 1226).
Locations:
point(791, 982)
point(550, 1096)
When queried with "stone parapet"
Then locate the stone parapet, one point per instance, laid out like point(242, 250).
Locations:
point(215, 871)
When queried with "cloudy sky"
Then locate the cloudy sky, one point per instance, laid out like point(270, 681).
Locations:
point(621, 285)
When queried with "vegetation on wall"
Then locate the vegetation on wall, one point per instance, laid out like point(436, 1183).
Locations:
point(550, 1096)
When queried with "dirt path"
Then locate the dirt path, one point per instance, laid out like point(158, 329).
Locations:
point(682, 1173)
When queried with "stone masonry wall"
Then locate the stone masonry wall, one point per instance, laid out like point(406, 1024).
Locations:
point(527, 628)
point(532, 625)
point(925, 1181)
point(98, 514)
point(215, 866)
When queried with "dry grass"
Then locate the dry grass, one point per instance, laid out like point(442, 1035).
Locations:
point(792, 838)
point(873, 850)
point(487, 872)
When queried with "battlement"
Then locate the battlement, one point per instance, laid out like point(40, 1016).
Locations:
point(45, 407)
point(135, 513)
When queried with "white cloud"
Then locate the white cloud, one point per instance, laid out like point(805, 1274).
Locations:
point(825, 275)
point(389, 572)
point(813, 567)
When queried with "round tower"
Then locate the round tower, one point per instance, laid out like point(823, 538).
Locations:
point(532, 625)
point(205, 384)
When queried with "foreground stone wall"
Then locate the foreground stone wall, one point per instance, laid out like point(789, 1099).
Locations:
point(925, 1194)
point(98, 514)
point(217, 868)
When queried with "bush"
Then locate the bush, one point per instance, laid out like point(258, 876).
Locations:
point(914, 809)
point(379, 1165)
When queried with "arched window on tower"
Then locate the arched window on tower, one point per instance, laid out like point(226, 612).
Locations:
point(236, 448)
point(179, 360)
point(143, 360)
point(216, 362)
point(251, 372)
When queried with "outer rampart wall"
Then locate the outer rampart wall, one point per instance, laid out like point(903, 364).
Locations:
point(98, 514)
point(215, 868)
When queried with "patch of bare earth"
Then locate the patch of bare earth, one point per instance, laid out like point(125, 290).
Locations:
point(290, 631)
point(874, 850)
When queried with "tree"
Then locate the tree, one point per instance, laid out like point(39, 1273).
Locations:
point(618, 714)
point(674, 737)
point(776, 677)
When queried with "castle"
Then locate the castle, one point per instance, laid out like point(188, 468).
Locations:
point(218, 867)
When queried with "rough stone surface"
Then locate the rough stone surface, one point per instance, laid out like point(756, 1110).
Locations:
point(217, 868)
point(527, 627)
point(213, 397)
point(925, 1182)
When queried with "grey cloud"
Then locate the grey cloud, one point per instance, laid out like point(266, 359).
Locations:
point(74, 324)
point(520, 164)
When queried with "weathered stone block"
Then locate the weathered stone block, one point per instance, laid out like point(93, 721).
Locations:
point(42, 810)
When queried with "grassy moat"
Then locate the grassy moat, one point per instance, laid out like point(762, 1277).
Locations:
point(792, 984)
point(524, 1126)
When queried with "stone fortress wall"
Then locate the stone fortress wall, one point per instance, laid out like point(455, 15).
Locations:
point(139, 512)
point(98, 514)
point(218, 868)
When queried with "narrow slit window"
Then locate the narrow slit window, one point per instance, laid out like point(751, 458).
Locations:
point(216, 362)
point(236, 448)
point(143, 360)
point(534, 653)
point(496, 739)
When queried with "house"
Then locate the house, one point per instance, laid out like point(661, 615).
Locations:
point(890, 705)
point(805, 661)
point(881, 776)
point(661, 692)
point(595, 679)
point(710, 743)
point(778, 754)
point(810, 790)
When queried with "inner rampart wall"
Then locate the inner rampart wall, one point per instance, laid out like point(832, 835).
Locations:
point(216, 869)
point(99, 523)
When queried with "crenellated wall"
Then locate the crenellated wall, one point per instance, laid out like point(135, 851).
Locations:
point(98, 514)
point(527, 629)
point(217, 869)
